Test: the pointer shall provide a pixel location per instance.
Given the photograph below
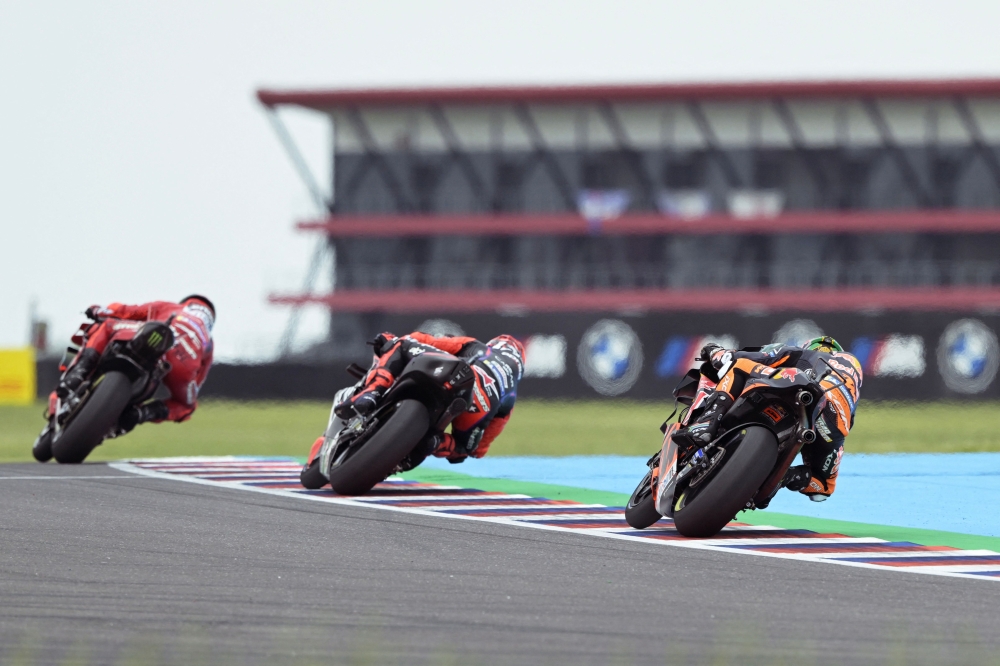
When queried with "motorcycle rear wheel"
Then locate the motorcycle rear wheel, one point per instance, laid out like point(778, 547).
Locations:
point(640, 512)
point(380, 454)
point(731, 488)
point(94, 419)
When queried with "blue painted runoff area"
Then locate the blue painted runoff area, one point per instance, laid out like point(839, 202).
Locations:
point(954, 492)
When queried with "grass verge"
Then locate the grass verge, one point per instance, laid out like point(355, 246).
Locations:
point(538, 427)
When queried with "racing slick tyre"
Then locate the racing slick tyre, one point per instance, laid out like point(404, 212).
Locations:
point(640, 512)
point(42, 449)
point(99, 412)
point(731, 488)
point(378, 456)
point(310, 476)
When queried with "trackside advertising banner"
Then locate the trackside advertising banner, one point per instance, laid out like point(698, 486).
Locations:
point(905, 356)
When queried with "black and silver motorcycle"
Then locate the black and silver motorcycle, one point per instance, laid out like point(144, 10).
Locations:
point(361, 451)
point(127, 373)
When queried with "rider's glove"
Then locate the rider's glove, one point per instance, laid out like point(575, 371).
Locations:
point(442, 445)
point(97, 312)
point(382, 342)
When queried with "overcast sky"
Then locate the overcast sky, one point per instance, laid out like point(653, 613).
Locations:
point(136, 164)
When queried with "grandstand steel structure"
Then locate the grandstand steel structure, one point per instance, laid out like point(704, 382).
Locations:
point(808, 196)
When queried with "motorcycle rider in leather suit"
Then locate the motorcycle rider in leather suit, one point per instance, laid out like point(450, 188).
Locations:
point(497, 368)
point(740, 371)
point(191, 321)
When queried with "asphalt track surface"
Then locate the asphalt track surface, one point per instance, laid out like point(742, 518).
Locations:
point(104, 566)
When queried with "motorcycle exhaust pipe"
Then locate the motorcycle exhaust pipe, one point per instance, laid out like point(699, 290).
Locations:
point(808, 436)
point(804, 398)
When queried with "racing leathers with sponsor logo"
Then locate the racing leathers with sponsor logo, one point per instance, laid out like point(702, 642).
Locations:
point(190, 358)
point(741, 371)
point(497, 367)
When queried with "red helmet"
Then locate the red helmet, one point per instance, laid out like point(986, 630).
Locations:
point(510, 343)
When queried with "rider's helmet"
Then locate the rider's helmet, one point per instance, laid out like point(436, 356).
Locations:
point(508, 343)
point(824, 344)
point(199, 306)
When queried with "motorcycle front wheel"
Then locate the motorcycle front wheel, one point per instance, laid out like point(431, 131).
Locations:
point(100, 411)
point(640, 512)
point(42, 448)
point(380, 454)
point(310, 477)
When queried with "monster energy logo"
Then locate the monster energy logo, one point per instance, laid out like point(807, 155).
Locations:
point(155, 338)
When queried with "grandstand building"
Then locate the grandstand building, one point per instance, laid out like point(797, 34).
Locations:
point(864, 209)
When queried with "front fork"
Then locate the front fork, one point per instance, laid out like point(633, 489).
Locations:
point(324, 446)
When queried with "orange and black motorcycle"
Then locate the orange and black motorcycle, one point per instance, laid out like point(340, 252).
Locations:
point(355, 454)
point(703, 488)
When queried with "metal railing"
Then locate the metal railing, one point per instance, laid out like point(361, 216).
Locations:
point(677, 275)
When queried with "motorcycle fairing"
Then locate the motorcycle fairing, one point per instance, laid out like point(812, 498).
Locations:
point(665, 477)
point(429, 377)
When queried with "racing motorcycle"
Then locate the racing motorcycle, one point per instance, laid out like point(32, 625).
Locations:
point(361, 451)
point(703, 488)
point(128, 373)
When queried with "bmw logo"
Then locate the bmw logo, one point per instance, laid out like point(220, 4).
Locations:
point(610, 357)
point(968, 356)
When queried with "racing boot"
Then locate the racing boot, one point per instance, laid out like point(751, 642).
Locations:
point(819, 490)
point(81, 370)
point(155, 410)
point(366, 400)
point(797, 478)
point(704, 430)
point(801, 479)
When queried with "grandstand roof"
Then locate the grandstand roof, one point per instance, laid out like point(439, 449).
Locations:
point(332, 98)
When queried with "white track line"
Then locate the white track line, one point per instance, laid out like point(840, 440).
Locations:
point(693, 544)
point(27, 477)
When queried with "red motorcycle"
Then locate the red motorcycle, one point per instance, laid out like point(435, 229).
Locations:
point(128, 373)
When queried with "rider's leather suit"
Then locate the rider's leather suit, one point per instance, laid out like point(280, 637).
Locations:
point(190, 358)
point(742, 371)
